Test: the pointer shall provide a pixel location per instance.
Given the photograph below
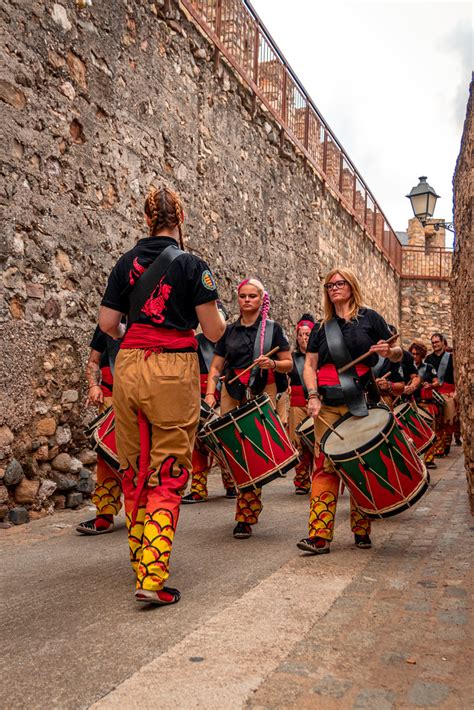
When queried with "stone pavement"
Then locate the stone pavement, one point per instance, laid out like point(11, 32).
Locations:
point(260, 626)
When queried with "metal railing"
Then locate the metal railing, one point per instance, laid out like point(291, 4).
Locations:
point(420, 262)
point(240, 36)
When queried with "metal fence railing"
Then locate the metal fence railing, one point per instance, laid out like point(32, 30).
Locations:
point(240, 36)
point(426, 262)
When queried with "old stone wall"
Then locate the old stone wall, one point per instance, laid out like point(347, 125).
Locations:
point(96, 104)
point(462, 292)
point(425, 308)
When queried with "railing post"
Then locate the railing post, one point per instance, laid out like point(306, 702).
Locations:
point(306, 127)
point(354, 191)
point(341, 165)
point(325, 152)
point(256, 51)
point(284, 97)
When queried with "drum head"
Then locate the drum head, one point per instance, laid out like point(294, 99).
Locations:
point(305, 426)
point(358, 432)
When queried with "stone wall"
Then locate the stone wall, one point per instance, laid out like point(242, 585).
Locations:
point(462, 292)
point(96, 104)
point(425, 309)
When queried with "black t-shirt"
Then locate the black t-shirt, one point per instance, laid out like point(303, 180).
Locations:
point(295, 379)
point(359, 335)
point(237, 343)
point(187, 283)
point(427, 374)
point(99, 343)
point(435, 360)
point(399, 371)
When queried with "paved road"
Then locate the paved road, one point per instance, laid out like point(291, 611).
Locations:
point(259, 624)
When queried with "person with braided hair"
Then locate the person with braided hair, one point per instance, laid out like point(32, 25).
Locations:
point(165, 292)
point(242, 341)
point(424, 394)
point(298, 413)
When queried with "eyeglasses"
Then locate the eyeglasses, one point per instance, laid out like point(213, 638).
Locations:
point(336, 284)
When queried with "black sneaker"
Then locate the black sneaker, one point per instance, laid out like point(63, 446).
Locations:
point(242, 531)
point(314, 545)
point(231, 493)
point(300, 491)
point(431, 464)
point(363, 541)
point(193, 498)
point(458, 442)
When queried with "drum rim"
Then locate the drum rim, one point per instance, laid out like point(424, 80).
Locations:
point(400, 408)
point(420, 491)
point(242, 411)
point(298, 428)
point(90, 428)
point(278, 472)
point(366, 448)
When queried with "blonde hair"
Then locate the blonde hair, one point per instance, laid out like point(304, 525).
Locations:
point(264, 308)
point(355, 302)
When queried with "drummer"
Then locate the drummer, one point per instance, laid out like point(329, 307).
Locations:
point(156, 383)
point(108, 487)
point(247, 340)
point(397, 380)
point(298, 413)
point(202, 457)
point(442, 361)
point(356, 330)
point(424, 394)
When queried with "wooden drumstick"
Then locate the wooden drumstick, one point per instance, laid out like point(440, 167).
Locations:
point(362, 357)
point(324, 421)
point(250, 366)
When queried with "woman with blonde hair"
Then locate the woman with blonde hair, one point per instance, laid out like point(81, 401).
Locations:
point(351, 329)
point(243, 342)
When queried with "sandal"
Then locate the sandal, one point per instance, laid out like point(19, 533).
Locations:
point(97, 526)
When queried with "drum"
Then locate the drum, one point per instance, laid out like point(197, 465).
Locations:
point(439, 399)
point(377, 462)
point(427, 415)
point(414, 426)
point(101, 432)
point(207, 414)
point(305, 430)
point(252, 442)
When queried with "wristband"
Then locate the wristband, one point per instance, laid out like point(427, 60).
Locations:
point(313, 392)
point(274, 364)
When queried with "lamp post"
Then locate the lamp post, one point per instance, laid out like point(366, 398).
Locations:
point(423, 201)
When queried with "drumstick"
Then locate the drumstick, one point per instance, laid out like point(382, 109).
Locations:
point(324, 421)
point(362, 357)
point(250, 366)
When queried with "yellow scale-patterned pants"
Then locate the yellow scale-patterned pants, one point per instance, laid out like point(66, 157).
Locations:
point(108, 487)
point(325, 487)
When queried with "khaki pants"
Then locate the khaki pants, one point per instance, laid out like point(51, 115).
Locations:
point(304, 467)
point(249, 504)
point(165, 388)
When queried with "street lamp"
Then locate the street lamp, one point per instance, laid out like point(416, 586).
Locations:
point(423, 201)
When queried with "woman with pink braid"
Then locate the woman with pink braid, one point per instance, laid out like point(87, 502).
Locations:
point(248, 338)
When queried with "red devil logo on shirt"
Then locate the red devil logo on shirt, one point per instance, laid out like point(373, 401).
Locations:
point(156, 304)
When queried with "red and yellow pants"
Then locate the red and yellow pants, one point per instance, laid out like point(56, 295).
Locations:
point(108, 487)
point(304, 467)
point(249, 504)
point(164, 388)
point(202, 462)
point(325, 487)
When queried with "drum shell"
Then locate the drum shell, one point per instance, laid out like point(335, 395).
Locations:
point(101, 433)
point(414, 426)
point(385, 475)
point(252, 442)
point(306, 433)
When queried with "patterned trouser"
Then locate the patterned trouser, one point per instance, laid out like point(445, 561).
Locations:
point(156, 402)
point(304, 467)
point(325, 488)
point(249, 504)
point(202, 462)
point(108, 487)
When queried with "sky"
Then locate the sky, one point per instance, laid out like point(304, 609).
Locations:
point(391, 79)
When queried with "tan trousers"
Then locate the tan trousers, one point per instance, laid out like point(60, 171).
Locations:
point(249, 504)
point(165, 388)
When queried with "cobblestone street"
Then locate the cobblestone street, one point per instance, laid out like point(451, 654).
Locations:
point(260, 625)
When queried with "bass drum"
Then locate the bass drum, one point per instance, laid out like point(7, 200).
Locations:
point(377, 462)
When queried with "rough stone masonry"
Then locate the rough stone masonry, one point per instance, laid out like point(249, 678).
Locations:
point(96, 104)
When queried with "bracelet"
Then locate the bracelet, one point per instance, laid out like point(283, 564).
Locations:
point(313, 392)
point(91, 386)
point(314, 395)
point(274, 364)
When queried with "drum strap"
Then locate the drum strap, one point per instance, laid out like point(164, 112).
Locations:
point(267, 346)
point(443, 366)
point(340, 355)
point(147, 283)
point(299, 359)
point(422, 371)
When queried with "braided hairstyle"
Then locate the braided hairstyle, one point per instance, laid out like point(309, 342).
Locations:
point(264, 308)
point(164, 209)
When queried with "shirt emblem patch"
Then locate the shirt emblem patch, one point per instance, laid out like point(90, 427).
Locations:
point(208, 280)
